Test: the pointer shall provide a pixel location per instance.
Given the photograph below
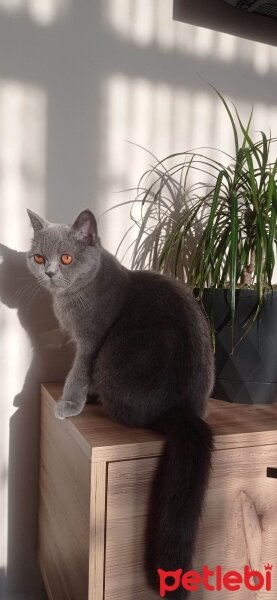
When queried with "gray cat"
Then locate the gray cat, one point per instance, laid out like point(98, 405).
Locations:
point(143, 343)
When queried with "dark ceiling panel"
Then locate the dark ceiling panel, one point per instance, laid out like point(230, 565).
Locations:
point(220, 16)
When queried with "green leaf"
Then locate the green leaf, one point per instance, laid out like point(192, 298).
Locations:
point(230, 117)
point(233, 260)
point(255, 149)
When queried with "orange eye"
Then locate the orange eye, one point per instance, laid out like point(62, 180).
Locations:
point(39, 259)
point(66, 259)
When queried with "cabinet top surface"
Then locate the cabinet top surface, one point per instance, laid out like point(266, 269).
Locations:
point(233, 425)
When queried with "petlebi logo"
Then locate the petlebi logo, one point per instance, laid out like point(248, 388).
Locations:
point(215, 580)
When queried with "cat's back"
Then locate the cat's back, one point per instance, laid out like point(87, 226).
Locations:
point(154, 297)
point(161, 308)
point(160, 340)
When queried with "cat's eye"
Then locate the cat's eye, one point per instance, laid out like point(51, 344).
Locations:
point(66, 259)
point(39, 259)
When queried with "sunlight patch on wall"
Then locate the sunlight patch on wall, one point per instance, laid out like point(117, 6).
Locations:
point(161, 119)
point(261, 58)
point(45, 12)
point(166, 118)
point(139, 112)
point(150, 22)
point(118, 16)
point(42, 12)
point(165, 30)
point(131, 19)
point(12, 6)
point(22, 184)
point(225, 46)
point(143, 18)
point(22, 158)
point(202, 114)
point(202, 42)
point(14, 363)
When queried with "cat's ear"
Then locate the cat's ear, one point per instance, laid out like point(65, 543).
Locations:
point(37, 222)
point(85, 227)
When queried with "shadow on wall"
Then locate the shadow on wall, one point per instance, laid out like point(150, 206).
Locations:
point(51, 360)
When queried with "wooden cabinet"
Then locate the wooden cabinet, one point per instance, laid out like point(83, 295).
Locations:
point(95, 483)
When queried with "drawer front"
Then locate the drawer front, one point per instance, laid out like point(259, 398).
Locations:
point(238, 525)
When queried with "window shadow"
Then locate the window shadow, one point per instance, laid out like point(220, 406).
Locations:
point(51, 360)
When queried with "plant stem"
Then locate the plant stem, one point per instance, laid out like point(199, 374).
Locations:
point(246, 277)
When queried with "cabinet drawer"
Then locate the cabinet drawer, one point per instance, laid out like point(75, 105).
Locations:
point(96, 482)
point(238, 525)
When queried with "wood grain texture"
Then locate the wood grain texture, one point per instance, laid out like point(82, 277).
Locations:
point(95, 483)
point(97, 531)
point(100, 438)
point(64, 511)
point(252, 531)
point(238, 525)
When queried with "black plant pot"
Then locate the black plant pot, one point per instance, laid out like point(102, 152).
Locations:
point(249, 375)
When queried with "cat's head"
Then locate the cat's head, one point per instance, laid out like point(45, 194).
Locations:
point(64, 257)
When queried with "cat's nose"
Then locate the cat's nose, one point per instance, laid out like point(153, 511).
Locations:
point(50, 273)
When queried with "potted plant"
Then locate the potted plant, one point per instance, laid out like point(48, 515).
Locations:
point(219, 235)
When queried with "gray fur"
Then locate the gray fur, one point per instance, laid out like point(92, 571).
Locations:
point(83, 296)
point(143, 344)
point(88, 297)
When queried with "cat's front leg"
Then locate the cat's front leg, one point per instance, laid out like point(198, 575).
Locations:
point(75, 388)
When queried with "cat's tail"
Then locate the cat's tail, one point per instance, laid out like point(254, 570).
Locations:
point(182, 481)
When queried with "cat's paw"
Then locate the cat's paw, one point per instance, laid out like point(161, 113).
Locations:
point(65, 409)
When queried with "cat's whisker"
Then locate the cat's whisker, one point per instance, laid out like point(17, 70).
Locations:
point(82, 301)
point(21, 292)
point(33, 297)
point(77, 299)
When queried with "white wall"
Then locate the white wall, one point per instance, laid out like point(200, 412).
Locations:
point(78, 79)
